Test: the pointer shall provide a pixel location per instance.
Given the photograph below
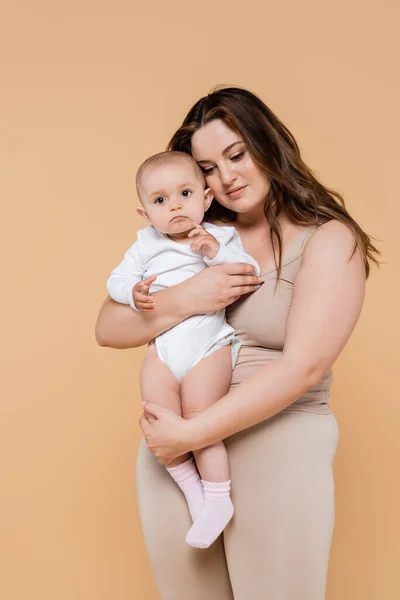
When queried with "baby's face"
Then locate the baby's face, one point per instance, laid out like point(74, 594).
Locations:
point(173, 196)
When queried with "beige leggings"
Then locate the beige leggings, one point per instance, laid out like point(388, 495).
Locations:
point(277, 545)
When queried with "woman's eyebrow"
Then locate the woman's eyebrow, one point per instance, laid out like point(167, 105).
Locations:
point(231, 146)
point(224, 152)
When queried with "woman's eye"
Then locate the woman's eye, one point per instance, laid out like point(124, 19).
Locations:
point(237, 156)
point(186, 193)
point(207, 170)
point(159, 200)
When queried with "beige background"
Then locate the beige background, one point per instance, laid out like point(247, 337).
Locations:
point(89, 89)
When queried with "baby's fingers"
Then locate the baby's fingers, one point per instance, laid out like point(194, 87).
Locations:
point(196, 246)
point(144, 306)
point(149, 280)
point(146, 283)
point(143, 286)
point(143, 302)
point(140, 297)
point(197, 230)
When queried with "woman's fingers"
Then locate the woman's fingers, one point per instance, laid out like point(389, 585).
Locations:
point(218, 286)
point(157, 411)
point(144, 424)
point(245, 280)
point(239, 269)
point(149, 417)
point(237, 292)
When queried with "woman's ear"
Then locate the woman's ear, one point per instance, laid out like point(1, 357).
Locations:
point(208, 198)
point(140, 210)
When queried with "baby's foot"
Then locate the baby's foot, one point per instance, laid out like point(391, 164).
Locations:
point(217, 512)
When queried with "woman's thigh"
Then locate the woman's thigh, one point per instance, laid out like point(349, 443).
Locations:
point(277, 545)
point(181, 572)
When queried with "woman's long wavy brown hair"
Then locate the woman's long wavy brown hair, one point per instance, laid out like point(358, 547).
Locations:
point(294, 188)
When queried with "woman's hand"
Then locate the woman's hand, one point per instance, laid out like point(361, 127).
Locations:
point(118, 326)
point(217, 287)
point(167, 435)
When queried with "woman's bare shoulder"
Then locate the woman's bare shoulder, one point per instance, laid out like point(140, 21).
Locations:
point(332, 235)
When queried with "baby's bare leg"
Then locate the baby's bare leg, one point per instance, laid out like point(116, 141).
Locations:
point(160, 386)
point(205, 384)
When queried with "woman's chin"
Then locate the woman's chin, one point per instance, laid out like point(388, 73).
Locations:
point(245, 205)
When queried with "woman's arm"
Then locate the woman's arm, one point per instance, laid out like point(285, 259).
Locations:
point(119, 326)
point(327, 300)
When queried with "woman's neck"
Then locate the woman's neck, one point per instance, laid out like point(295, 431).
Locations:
point(258, 222)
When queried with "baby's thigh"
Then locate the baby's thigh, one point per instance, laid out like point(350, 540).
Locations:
point(181, 572)
point(157, 382)
point(207, 382)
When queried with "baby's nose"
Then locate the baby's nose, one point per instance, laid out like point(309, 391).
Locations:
point(175, 206)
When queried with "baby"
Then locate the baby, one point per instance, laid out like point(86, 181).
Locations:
point(188, 367)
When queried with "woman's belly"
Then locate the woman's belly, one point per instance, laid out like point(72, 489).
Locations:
point(252, 358)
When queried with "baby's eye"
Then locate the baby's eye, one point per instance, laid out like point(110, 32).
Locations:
point(160, 200)
point(186, 193)
point(237, 156)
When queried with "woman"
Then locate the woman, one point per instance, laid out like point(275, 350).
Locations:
point(279, 431)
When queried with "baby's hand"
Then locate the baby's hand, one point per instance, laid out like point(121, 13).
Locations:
point(140, 294)
point(204, 242)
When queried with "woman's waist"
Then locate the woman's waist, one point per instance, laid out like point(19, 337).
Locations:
point(252, 358)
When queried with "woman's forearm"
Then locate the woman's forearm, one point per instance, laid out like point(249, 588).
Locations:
point(261, 396)
point(120, 326)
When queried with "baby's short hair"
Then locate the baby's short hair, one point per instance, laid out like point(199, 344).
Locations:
point(166, 158)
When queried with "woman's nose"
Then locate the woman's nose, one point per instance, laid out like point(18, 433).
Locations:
point(228, 175)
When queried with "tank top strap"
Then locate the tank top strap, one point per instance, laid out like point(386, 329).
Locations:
point(296, 248)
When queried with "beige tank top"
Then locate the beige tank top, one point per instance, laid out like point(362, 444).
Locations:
point(259, 320)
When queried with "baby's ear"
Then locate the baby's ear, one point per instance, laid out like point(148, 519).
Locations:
point(140, 210)
point(208, 198)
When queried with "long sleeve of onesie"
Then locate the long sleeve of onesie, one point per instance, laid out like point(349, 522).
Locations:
point(128, 273)
point(231, 248)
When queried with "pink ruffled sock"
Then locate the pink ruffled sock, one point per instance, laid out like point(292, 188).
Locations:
point(217, 512)
point(188, 479)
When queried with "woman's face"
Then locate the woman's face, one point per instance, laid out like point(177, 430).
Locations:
point(231, 173)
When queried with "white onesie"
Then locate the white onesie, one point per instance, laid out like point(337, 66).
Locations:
point(184, 345)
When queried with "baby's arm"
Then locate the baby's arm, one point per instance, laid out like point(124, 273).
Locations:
point(220, 245)
point(231, 249)
point(126, 276)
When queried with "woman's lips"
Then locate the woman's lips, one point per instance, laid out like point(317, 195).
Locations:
point(236, 192)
